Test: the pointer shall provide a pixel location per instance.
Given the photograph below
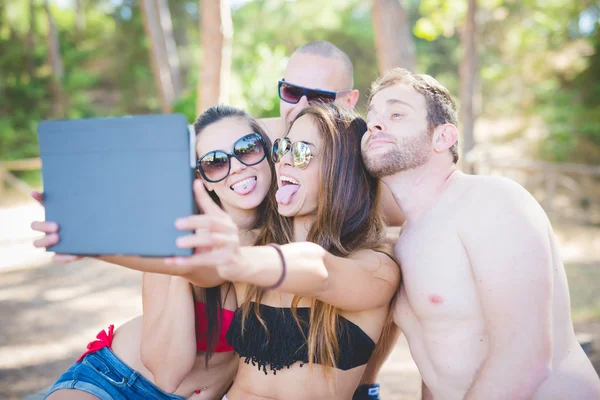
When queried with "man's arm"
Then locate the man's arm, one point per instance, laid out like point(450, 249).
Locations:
point(506, 235)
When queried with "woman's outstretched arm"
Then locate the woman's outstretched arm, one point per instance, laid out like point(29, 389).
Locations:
point(361, 281)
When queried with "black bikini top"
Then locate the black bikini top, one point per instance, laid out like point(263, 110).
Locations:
point(285, 344)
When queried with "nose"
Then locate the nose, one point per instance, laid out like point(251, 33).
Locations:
point(295, 109)
point(287, 159)
point(375, 125)
point(302, 103)
point(236, 166)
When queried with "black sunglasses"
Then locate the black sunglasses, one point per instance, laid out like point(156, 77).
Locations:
point(215, 165)
point(293, 93)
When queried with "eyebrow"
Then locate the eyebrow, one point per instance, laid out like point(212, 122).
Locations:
point(288, 136)
point(303, 141)
point(391, 102)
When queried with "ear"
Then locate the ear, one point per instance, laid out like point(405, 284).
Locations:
point(352, 99)
point(444, 136)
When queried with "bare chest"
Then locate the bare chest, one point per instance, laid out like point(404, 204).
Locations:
point(437, 276)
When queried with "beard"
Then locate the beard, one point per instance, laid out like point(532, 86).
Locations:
point(408, 153)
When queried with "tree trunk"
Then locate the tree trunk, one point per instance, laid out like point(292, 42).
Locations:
point(468, 78)
point(179, 19)
point(1, 78)
point(393, 39)
point(170, 48)
point(158, 55)
point(55, 60)
point(217, 32)
point(30, 63)
point(79, 16)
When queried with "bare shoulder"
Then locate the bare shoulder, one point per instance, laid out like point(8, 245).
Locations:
point(492, 202)
point(275, 127)
point(379, 264)
point(492, 186)
point(488, 193)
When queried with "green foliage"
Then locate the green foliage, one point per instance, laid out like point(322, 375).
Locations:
point(106, 70)
point(534, 59)
point(268, 31)
point(572, 109)
point(537, 58)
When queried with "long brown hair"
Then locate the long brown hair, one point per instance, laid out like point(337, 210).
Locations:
point(347, 219)
point(267, 215)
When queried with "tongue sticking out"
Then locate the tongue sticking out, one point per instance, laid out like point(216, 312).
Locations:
point(285, 193)
point(245, 188)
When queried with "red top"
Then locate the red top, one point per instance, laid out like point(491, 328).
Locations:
point(226, 316)
point(104, 339)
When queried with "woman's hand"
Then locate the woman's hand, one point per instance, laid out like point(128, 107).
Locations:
point(215, 242)
point(50, 229)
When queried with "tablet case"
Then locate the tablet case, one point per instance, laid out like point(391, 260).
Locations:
point(117, 185)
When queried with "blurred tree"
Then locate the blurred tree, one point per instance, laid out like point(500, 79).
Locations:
point(468, 77)
point(164, 17)
point(80, 16)
point(165, 62)
point(126, 84)
point(55, 60)
point(393, 40)
point(30, 64)
point(538, 61)
point(216, 29)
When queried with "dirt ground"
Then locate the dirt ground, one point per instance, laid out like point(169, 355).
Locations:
point(49, 312)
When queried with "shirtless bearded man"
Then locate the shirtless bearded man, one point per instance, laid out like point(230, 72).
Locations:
point(485, 304)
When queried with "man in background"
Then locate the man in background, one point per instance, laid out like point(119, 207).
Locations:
point(321, 72)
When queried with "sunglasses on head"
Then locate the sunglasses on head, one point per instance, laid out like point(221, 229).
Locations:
point(301, 154)
point(215, 166)
point(293, 93)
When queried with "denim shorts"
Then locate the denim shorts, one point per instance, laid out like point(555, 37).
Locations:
point(105, 376)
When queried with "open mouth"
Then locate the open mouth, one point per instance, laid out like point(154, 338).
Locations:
point(287, 190)
point(288, 180)
point(245, 186)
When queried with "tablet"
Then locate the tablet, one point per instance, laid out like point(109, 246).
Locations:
point(117, 185)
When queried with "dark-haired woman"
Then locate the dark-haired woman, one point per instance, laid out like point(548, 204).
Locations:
point(312, 308)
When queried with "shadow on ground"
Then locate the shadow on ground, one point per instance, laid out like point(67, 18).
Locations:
point(50, 312)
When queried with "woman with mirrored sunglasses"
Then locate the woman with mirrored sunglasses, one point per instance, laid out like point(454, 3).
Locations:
point(315, 293)
point(177, 349)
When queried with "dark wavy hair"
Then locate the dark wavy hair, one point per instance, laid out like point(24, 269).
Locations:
point(267, 215)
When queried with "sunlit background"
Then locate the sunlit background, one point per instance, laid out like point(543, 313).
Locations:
point(530, 90)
